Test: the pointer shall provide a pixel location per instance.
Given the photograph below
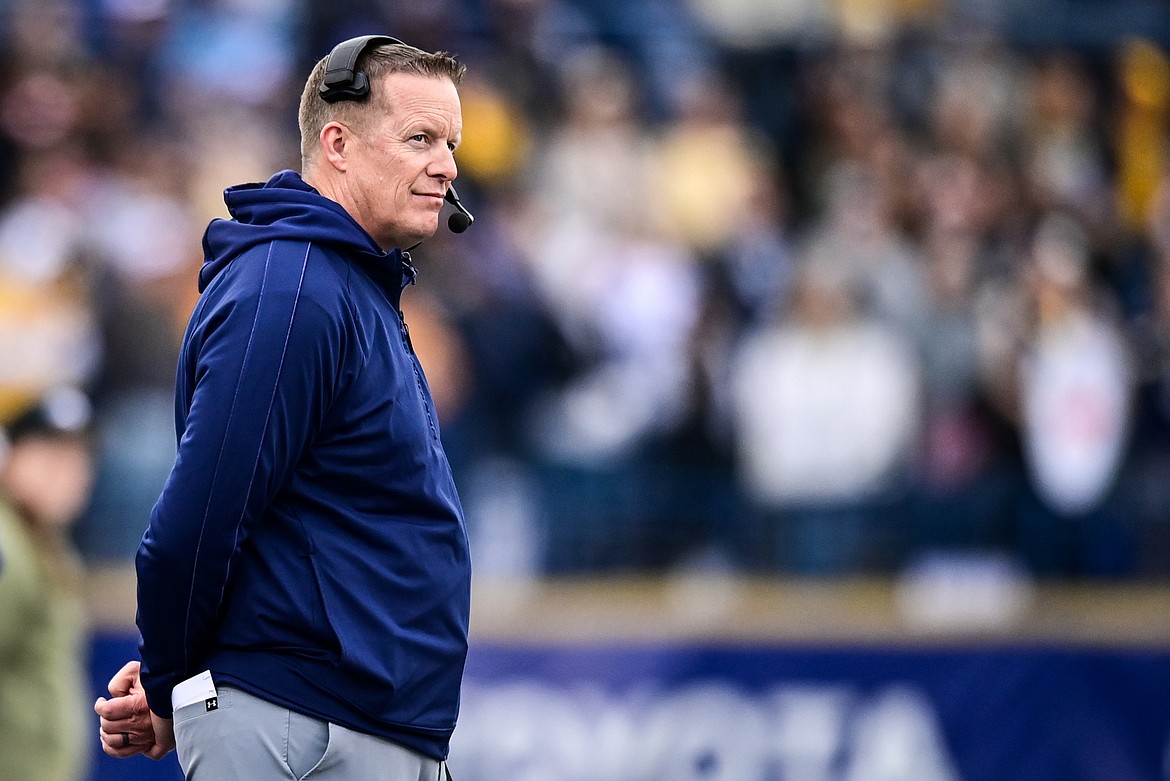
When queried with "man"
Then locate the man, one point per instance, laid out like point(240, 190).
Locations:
point(308, 549)
point(46, 473)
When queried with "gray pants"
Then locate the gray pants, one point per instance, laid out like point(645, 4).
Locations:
point(249, 739)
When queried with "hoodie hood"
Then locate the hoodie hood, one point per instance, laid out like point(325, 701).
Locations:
point(287, 208)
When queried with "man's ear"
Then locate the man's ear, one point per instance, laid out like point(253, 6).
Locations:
point(334, 143)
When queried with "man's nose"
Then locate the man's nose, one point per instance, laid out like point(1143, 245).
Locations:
point(444, 166)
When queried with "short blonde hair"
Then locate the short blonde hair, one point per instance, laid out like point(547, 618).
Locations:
point(315, 112)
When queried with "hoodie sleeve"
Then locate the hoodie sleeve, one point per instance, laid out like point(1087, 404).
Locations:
point(258, 371)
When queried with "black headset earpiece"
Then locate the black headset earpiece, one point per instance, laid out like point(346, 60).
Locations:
point(344, 82)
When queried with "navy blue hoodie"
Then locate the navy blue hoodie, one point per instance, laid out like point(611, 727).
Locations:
point(309, 545)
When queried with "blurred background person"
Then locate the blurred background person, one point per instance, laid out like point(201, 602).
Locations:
point(625, 295)
point(825, 407)
point(966, 462)
point(1076, 411)
point(45, 477)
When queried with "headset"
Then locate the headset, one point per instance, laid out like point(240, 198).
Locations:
point(344, 82)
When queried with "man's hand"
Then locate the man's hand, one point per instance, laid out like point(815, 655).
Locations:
point(164, 736)
point(128, 726)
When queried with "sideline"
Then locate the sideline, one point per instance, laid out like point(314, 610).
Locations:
point(716, 609)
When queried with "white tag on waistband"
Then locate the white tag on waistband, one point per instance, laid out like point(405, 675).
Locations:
point(197, 688)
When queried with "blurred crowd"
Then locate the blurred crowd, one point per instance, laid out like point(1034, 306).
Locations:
point(772, 288)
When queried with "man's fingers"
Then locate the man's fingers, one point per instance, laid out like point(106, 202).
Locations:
point(123, 743)
point(122, 753)
point(120, 707)
point(115, 720)
point(123, 738)
point(125, 679)
point(133, 726)
point(136, 724)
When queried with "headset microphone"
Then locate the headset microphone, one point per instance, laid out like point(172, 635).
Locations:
point(461, 220)
point(343, 81)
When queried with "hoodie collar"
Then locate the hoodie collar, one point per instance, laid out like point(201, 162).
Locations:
point(286, 207)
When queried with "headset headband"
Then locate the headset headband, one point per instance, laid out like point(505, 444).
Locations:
point(342, 82)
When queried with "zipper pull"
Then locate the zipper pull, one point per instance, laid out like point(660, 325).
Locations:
point(406, 332)
point(409, 272)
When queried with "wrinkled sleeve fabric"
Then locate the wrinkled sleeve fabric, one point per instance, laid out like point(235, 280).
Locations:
point(256, 372)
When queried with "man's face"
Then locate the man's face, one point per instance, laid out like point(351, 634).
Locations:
point(402, 158)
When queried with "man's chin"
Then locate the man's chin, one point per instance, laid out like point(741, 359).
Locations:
point(408, 239)
point(427, 230)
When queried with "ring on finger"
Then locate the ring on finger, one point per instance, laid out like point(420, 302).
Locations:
point(125, 739)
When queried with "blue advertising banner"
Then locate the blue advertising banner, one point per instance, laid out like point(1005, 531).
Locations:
point(778, 713)
point(678, 711)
